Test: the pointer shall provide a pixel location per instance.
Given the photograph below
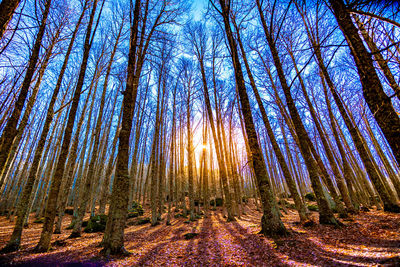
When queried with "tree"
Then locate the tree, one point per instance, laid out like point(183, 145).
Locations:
point(85, 196)
point(51, 206)
point(325, 213)
point(271, 223)
point(113, 240)
point(10, 130)
point(377, 100)
point(7, 9)
point(282, 163)
point(197, 36)
point(23, 205)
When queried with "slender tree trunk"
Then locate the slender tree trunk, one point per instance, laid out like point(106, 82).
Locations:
point(172, 163)
point(10, 130)
point(7, 9)
point(70, 170)
point(113, 240)
point(51, 206)
point(85, 197)
point(325, 213)
point(338, 176)
point(271, 223)
point(282, 163)
point(389, 204)
point(377, 100)
point(346, 168)
point(110, 167)
point(221, 162)
point(190, 157)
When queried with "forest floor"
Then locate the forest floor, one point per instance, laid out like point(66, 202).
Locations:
point(369, 239)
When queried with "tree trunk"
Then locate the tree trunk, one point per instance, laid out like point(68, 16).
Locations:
point(51, 206)
point(22, 209)
point(377, 100)
point(271, 223)
point(10, 130)
point(7, 9)
point(113, 240)
point(282, 163)
point(325, 213)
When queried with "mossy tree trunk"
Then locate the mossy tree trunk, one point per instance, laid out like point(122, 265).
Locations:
point(113, 239)
point(7, 9)
point(379, 103)
point(10, 129)
point(271, 223)
point(51, 205)
point(325, 213)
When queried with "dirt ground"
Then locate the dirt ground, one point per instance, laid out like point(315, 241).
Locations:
point(370, 239)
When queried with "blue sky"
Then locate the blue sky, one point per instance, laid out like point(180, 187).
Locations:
point(198, 8)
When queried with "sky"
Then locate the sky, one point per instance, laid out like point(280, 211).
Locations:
point(198, 8)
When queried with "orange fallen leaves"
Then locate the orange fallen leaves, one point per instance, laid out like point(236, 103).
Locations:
point(370, 239)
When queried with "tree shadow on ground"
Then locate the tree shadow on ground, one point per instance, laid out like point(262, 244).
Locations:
point(208, 249)
point(60, 258)
point(317, 245)
point(151, 254)
point(320, 242)
point(252, 244)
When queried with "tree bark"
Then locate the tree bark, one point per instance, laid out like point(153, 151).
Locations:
point(51, 206)
point(271, 224)
point(325, 213)
point(377, 100)
point(10, 130)
point(22, 209)
point(279, 155)
point(7, 9)
point(113, 240)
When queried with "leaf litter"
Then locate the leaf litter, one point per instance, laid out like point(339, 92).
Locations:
point(369, 239)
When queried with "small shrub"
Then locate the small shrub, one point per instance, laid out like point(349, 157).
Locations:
point(310, 196)
point(180, 215)
point(39, 220)
point(69, 211)
point(218, 201)
point(136, 207)
point(96, 224)
point(190, 235)
point(143, 221)
point(312, 207)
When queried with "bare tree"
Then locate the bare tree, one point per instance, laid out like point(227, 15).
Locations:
point(7, 9)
